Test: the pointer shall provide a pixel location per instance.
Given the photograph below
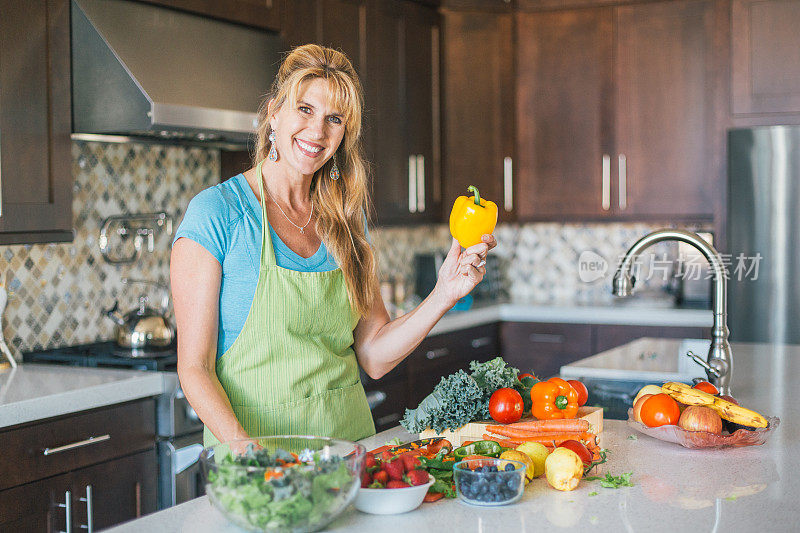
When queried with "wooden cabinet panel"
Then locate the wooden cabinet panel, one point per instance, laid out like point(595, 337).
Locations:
point(478, 93)
point(393, 405)
point(130, 427)
point(35, 122)
point(543, 348)
point(664, 109)
point(264, 14)
point(563, 93)
point(607, 337)
point(765, 56)
point(121, 490)
point(35, 506)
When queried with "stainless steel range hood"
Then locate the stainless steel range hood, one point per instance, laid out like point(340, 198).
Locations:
point(140, 70)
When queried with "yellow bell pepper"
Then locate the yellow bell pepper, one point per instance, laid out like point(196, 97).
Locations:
point(472, 217)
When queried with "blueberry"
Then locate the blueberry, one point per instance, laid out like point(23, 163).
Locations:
point(513, 483)
point(492, 468)
point(509, 467)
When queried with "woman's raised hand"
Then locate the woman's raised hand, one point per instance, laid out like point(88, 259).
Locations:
point(463, 269)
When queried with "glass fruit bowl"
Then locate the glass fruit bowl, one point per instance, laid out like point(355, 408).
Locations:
point(284, 482)
point(704, 439)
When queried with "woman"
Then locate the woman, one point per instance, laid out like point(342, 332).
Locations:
point(275, 318)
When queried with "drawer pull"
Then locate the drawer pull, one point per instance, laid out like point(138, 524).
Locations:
point(89, 527)
point(437, 353)
point(375, 398)
point(546, 337)
point(388, 419)
point(67, 506)
point(481, 342)
point(79, 444)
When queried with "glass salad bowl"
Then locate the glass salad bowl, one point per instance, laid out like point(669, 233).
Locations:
point(284, 482)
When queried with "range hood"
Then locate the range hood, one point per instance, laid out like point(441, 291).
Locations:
point(141, 70)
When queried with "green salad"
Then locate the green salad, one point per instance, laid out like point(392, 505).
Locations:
point(280, 490)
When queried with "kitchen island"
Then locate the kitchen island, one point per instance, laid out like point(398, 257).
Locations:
point(735, 489)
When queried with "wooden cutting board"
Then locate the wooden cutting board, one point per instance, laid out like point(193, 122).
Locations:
point(475, 430)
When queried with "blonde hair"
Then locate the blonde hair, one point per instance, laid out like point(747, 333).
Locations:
point(340, 204)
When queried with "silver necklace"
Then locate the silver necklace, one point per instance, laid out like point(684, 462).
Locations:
point(301, 228)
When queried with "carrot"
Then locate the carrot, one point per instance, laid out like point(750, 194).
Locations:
point(547, 440)
point(556, 426)
point(506, 443)
point(514, 433)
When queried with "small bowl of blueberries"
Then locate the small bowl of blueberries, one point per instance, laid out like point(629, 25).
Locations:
point(489, 482)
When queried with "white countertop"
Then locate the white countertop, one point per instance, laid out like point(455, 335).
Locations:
point(626, 312)
point(34, 392)
point(736, 489)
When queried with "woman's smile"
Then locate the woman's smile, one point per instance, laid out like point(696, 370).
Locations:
point(309, 149)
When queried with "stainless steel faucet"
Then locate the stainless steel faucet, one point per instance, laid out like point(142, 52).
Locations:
point(720, 359)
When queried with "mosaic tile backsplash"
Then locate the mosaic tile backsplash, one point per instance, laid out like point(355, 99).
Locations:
point(57, 292)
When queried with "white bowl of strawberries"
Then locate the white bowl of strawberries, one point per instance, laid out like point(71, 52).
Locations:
point(392, 486)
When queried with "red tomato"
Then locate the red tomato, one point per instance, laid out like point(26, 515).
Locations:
point(660, 410)
point(579, 448)
point(506, 406)
point(705, 386)
point(580, 388)
point(525, 375)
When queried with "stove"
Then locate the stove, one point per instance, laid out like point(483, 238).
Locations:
point(179, 429)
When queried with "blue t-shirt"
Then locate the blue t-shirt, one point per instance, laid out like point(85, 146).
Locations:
point(226, 220)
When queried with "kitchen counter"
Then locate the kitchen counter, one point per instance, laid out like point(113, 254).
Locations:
point(33, 392)
point(735, 489)
point(632, 312)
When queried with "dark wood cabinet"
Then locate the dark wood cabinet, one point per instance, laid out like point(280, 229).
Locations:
point(664, 110)
point(103, 460)
point(264, 14)
point(478, 113)
point(765, 55)
point(543, 348)
point(35, 122)
point(564, 91)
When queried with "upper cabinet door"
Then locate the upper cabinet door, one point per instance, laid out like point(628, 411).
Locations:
point(422, 95)
point(766, 56)
point(35, 122)
point(564, 114)
point(664, 110)
point(478, 91)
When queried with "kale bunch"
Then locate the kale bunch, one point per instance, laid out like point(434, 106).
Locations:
point(460, 398)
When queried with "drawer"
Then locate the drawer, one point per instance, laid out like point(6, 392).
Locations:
point(393, 399)
point(456, 349)
point(543, 348)
point(63, 444)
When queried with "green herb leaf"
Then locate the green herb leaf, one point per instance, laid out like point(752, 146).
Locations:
point(633, 437)
point(595, 493)
point(394, 442)
point(615, 482)
point(731, 498)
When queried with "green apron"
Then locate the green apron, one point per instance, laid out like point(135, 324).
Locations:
point(292, 369)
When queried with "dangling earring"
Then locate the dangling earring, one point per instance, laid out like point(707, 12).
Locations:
point(273, 152)
point(334, 170)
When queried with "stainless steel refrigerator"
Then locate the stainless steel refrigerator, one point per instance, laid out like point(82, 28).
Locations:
point(764, 234)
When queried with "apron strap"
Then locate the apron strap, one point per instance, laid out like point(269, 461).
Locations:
point(267, 252)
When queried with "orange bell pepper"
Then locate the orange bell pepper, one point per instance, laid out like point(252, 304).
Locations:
point(554, 398)
point(472, 218)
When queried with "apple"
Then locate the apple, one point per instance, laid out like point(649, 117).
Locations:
point(700, 418)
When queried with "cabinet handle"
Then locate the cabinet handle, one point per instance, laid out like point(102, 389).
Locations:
point(67, 506)
point(375, 398)
point(481, 341)
point(412, 185)
point(88, 499)
point(388, 419)
point(546, 337)
point(420, 183)
point(437, 353)
point(623, 181)
point(606, 199)
point(79, 444)
point(508, 183)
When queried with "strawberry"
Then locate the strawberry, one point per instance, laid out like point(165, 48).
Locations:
point(410, 462)
point(394, 469)
point(417, 477)
point(366, 479)
point(394, 484)
point(370, 463)
point(381, 477)
point(386, 455)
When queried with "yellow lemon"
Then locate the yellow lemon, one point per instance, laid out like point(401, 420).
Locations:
point(538, 453)
point(514, 455)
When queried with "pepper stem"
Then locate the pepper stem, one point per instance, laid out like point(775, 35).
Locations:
point(477, 196)
point(561, 402)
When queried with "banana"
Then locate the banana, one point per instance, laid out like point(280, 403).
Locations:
point(727, 410)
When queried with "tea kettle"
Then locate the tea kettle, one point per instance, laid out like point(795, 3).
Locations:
point(143, 327)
